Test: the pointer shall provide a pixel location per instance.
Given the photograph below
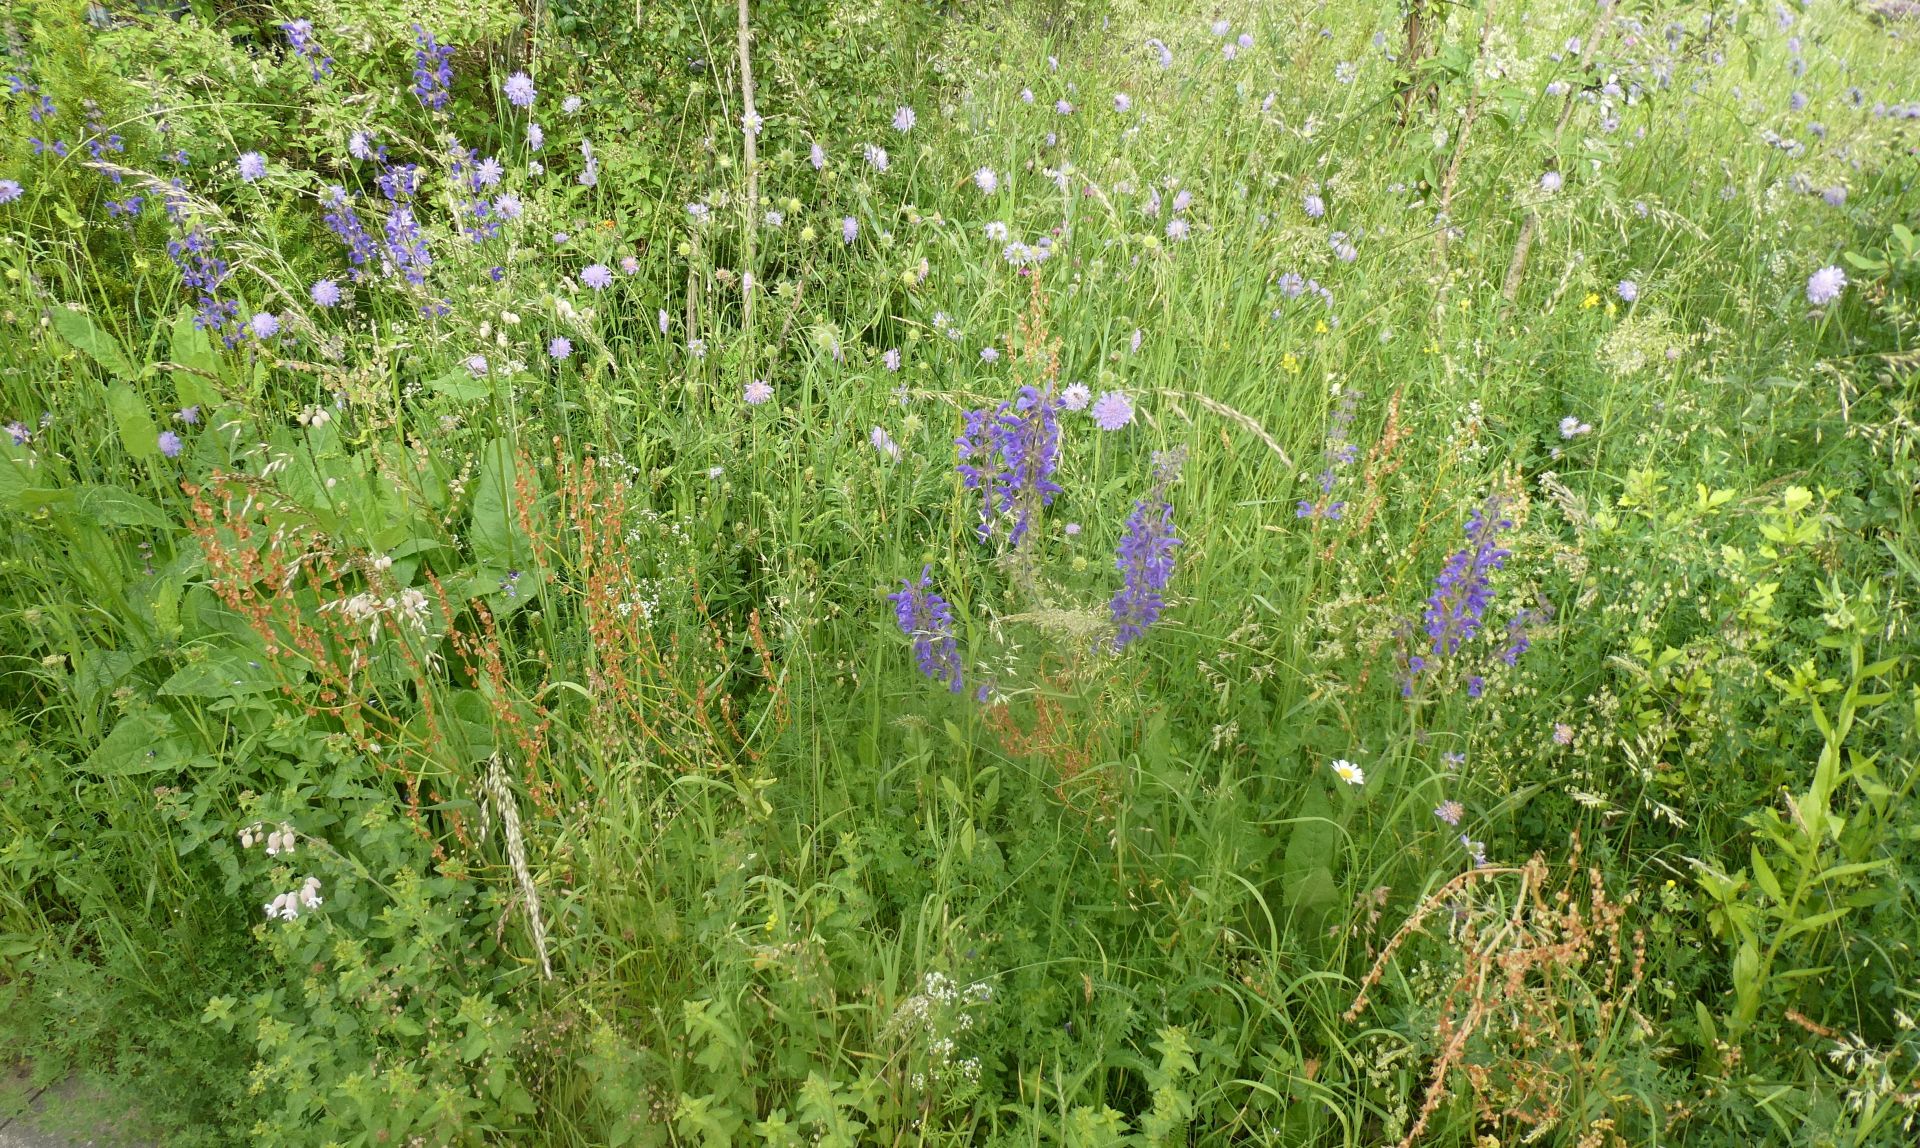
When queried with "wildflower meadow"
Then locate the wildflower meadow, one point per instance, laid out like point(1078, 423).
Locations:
point(1083, 573)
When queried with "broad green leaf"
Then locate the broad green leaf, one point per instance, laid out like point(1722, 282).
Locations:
point(138, 434)
point(89, 339)
point(462, 386)
point(232, 673)
point(112, 506)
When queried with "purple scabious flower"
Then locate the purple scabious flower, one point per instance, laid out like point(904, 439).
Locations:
point(1314, 206)
point(1112, 411)
point(758, 391)
point(1009, 456)
point(559, 347)
point(264, 324)
point(925, 616)
point(1145, 557)
point(1463, 589)
point(170, 444)
point(597, 276)
point(432, 70)
point(904, 119)
point(876, 157)
point(10, 190)
point(1825, 285)
point(18, 432)
point(518, 89)
point(325, 292)
point(1629, 290)
point(849, 229)
point(252, 165)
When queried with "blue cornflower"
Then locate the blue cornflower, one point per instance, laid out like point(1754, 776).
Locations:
point(925, 616)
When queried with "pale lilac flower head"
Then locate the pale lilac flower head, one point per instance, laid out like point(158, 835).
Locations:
point(1562, 733)
point(536, 137)
point(1221, 27)
point(849, 229)
point(360, 145)
point(629, 265)
point(1076, 397)
point(1450, 812)
point(1825, 285)
point(1183, 200)
point(597, 276)
point(989, 355)
point(1112, 411)
point(1177, 229)
point(817, 156)
point(1122, 102)
point(1572, 427)
point(170, 444)
point(883, 442)
point(1164, 53)
point(1551, 182)
point(264, 325)
point(996, 231)
point(519, 90)
point(325, 292)
point(1314, 206)
point(476, 365)
point(758, 391)
point(570, 105)
point(10, 190)
point(1026, 95)
point(1230, 51)
point(904, 119)
point(559, 347)
point(1063, 107)
point(986, 181)
point(1835, 196)
point(1245, 41)
point(876, 157)
point(19, 433)
point(508, 207)
point(252, 166)
point(1629, 290)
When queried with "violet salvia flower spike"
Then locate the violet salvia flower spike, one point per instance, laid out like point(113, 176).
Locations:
point(1145, 556)
point(1463, 589)
point(1339, 452)
point(925, 616)
point(1009, 455)
point(432, 70)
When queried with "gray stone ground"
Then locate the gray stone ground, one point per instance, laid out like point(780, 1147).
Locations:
point(66, 1115)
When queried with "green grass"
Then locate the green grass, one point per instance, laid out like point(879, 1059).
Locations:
point(790, 888)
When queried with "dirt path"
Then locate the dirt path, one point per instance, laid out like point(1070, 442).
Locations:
point(68, 1114)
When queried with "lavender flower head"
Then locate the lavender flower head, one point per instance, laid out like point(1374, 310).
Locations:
point(518, 89)
point(904, 119)
point(252, 165)
point(170, 444)
point(1009, 456)
point(1112, 411)
point(1825, 285)
point(1338, 452)
point(925, 616)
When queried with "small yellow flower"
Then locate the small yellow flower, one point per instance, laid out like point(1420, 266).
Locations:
point(1466, 304)
point(1290, 364)
point(1590, 302)
point(1320, 328)
point(1612, 309)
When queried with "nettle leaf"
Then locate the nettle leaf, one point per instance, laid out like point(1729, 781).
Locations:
point(87, 337)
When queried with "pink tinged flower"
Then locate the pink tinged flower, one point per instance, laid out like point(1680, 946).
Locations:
point(559, 347)
point(1076, 397)
point(264, 325)
point(1178, 229)
point(1551, 182)
point(1112, 411)
point(597, 276)
point(757, 392)
point(476, 365)
point(1562, 733)
point(519, 90)
point(252, 166)
point(1450, 812)
point(1572, 427)
point(325, 292)
point(170, 444)
point(1825, 285)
